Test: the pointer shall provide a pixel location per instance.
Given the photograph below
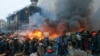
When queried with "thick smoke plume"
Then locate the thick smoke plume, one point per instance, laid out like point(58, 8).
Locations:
point(96, 20)
point(72, 15)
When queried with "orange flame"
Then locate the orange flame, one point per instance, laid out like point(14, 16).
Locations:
point(53, 36)
point(38, 34)
point(35, 33)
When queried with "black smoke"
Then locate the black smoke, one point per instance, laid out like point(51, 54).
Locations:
point(72, 15)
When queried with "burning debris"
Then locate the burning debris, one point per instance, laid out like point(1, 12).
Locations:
point(36, 33)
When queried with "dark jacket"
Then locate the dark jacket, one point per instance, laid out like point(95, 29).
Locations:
point(98, 41)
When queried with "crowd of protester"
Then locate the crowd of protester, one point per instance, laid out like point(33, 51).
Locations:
point(83, 43)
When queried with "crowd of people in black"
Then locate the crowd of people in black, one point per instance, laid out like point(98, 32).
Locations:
point(64, 45)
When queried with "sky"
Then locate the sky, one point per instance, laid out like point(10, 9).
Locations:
point(10, 6)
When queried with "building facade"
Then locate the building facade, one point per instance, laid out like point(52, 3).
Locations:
point(22, 16)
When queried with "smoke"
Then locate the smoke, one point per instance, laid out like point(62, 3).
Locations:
point(96, 20)
point(35, 22)
point(96, 16)
point(70, 15)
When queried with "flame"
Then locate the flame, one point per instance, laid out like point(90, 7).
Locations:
point(35, 33)
point(40, 35)
point(53, 35)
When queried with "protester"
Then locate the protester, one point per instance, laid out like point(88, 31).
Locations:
point(34, 53)
point(79, 40)
point(98, 42)
point(56, 46)
point(94, 42)
point(85, 35)
point(40, 48)
point(50, 52)
point(68, 44)
point(46, 43)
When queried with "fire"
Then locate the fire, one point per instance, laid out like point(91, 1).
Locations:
point(53, 35)
point(38, 34)
point(35, 33)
